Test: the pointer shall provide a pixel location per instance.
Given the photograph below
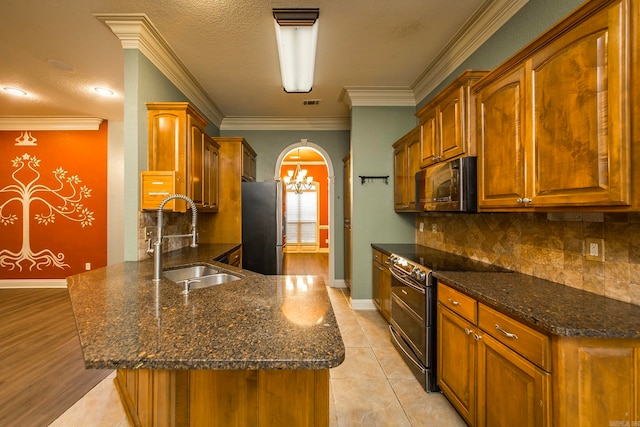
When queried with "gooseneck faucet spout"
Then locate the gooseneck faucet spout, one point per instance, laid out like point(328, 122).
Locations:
point(157, 245)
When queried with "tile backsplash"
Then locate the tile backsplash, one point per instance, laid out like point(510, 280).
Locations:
point(173, 223)
point(550, 246)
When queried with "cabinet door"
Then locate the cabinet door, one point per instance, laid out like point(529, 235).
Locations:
point(450, 121)
point(413, 161)
point(211, 169)
point(456, 362)
point(376, 274)
point(501, 111)
point(430, 139)
point(385, 293)
point(511, 390)
point(400, 173)
point(196, 172)
point(580, 137)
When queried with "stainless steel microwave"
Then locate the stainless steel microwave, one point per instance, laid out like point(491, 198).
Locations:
point(451, 186)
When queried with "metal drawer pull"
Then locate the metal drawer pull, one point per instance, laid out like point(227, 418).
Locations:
point(404, 292)
point(477, 337)
point(453, 302)
point(505, 333)
point(468, 331)
point(158, 193)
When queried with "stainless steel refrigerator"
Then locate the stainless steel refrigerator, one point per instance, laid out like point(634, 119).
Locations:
point(263, 227)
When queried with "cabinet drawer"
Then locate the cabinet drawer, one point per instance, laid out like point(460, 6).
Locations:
point(380, 257)
point(235, 258)
point(155, 187)
point(533, 345)
point(458, 302)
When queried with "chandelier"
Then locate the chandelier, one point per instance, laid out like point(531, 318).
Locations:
point(298, 180)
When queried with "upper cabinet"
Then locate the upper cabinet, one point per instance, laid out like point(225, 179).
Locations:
point(177, 143)
point(554, 122)
point(406, 162)
point(448, 121)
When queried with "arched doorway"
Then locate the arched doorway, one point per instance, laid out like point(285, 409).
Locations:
point(329, 183)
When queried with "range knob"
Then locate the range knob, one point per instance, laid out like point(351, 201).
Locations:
point(419, 274)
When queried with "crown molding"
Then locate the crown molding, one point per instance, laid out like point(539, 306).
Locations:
point(479, 28)
point(136, 31)
point(50, 123)
point(382, 96)
point(286, 123)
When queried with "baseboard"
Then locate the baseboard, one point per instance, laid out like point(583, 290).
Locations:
point(339, 283)
point(32, 283)
point(362, 304)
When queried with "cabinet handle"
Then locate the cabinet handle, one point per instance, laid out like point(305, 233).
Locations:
point(505, 333)
point(404, 292)
point(477, 337)
point(468, 331)
point(523, 200)
point(158, 193)
point(453, 302)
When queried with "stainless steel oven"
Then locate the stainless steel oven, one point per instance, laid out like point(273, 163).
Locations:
point(412, 318)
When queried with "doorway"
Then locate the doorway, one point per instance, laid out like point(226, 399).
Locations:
point(310, 206)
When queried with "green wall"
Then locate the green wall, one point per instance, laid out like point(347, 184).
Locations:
point(268, 146)
point(373, 132)
point(143, 83)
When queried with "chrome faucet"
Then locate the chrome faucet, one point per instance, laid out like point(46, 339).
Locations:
point(157, 245)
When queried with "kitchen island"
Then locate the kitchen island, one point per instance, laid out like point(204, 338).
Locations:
point(255, 351)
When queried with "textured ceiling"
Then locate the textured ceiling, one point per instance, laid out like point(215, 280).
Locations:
point(227, 45)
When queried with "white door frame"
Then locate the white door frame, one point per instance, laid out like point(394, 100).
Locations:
point(330, 191)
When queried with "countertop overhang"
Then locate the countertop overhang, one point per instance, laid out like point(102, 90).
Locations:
point(126, 321)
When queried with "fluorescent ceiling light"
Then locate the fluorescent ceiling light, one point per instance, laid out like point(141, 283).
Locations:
point(297, 34)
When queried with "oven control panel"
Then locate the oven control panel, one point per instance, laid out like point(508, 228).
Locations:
point(415, 271)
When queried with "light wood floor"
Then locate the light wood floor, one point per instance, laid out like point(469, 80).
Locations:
point(41, 368)
point(313, 264)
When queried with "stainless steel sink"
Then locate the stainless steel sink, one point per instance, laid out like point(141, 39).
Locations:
point(214, 279)
point(198, 276)
point(190, 272)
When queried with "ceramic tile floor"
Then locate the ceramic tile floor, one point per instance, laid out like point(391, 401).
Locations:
point(373, 387)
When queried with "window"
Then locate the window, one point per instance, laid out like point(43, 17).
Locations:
point(302, 217)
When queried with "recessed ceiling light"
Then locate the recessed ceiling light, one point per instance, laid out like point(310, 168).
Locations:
point(15, 91)
point(61, 65)
point(103, 91)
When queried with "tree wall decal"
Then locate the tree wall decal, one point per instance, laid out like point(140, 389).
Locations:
point(64, 198)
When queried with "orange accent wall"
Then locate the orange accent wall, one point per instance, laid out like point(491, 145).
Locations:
point(53, 247)
point(319, 174)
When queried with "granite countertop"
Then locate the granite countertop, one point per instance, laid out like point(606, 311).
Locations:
point(550, 307)
point(125, 321)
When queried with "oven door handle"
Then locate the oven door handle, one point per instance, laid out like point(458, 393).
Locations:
point(407, 283)
point(401, 347)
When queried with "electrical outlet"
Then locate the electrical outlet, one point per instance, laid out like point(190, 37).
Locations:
point(421, 227)
point(148, 232)
point(434, 228)
point(594, 249)
point(87, 266)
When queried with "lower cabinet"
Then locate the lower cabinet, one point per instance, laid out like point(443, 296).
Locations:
point(489, 383)
point(381, 283)
point(499, 372)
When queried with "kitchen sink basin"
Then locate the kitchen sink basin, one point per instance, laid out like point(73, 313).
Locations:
point(190, 272)
point(198, 276)
point(212, 280)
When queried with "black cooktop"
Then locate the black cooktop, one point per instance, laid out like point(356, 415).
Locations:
point(436, 260)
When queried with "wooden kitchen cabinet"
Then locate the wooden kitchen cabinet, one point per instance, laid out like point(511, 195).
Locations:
point(381, 283)
point(553, 122)
point(488, 382)
point(448, 121)
point(177, 142)
point(406, 162)
point(232, 159)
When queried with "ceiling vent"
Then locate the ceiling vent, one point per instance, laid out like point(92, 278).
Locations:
point(311, 102)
